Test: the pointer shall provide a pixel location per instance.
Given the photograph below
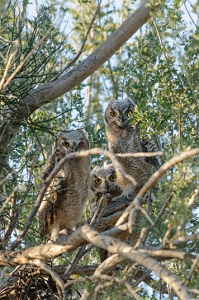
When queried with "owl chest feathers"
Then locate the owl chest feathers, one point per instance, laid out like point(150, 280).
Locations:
point(66, 196)
point(128, 141)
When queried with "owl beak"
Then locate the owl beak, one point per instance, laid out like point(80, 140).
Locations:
point(75, 148)
point(122, 120)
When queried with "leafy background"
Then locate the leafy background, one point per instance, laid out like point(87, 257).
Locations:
point(158, 68)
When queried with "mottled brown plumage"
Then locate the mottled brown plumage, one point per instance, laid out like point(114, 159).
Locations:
point(104, 186)
point(124, 138)
point(64, 201)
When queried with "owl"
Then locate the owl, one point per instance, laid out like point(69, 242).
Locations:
point(64, 201)
point(103, 182)
point(124, 138)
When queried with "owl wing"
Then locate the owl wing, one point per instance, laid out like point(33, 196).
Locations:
point(53, 196)
point(152, 146)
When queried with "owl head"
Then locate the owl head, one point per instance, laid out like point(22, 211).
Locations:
point(103, 180)
point(69, 141)
point(118, 112)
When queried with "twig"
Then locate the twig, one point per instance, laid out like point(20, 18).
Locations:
point(27, 57)
point(107, 265)
point(184, 239)
point(152, 181)
point(138, 281)
point(193, 267)
point(148, 229)
point(8, 66)
point(119, 280)
point(147, 216)
point(194, 291)
point(100, 287)
point(74, 261)
point(189, 14)
point(115, 246)
point(141, 238)
point(15, 190)
point(53, 174)
point(82, 46)
point(160, 38)
point(139, 154)
point(192, 199)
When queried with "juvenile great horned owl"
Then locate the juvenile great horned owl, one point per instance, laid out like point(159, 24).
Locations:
point(103, 180)
point(64, 201)
point(123, 138)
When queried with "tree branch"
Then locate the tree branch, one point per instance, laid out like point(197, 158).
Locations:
point(52, 90)
point(152, 181)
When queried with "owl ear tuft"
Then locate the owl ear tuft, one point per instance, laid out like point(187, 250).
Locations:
point(95, 169)
point(112, 168)
point(81, 130)
point(112, 100)
point(131, 102)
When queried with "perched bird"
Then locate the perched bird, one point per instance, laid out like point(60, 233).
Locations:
point(64, 201)
point(104, 186)
point(124, 138)
point(103, 180)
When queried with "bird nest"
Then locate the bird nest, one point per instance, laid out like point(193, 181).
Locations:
point(29, 283)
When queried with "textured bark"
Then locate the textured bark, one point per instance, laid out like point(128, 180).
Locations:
point(54, 89)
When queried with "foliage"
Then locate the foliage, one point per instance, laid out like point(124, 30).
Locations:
point(158, 69)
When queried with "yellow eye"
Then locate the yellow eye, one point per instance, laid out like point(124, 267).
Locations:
point(113, 113)
point(98, 181)
point(128, 112)
point(112, 178)
point(81, 144)
point(65, 144)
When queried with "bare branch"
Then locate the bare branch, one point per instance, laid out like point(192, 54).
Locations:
point(189, 14)
point(8, 65)
point(152, 181)
point(7, 200)
point(184, 239)
point(114, 246)
point(26, 58)
point(53, 174)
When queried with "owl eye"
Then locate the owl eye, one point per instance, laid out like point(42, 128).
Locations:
point(128, 112)
point(113, 113)
point(81, 144)
point(65, 144)
point(98, 181)
point(112, 178)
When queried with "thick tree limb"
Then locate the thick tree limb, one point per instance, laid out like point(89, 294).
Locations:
point(86, 234)
point(112, 245)
point(52, 90)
